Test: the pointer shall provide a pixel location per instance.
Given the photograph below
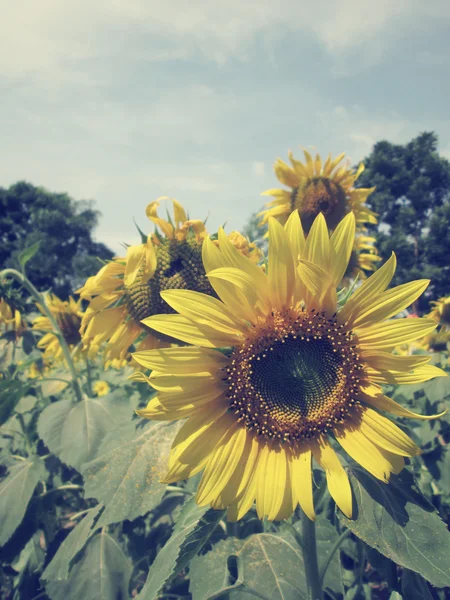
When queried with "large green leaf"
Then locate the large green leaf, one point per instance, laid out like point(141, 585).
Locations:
point(125, 476)
point(192, 529)
point(326, 536)
point(269, 564)
point(74, 430)
point(398, 521)
point(102, 573)
point(58, 569)
point(414, 587)
point(16, 490)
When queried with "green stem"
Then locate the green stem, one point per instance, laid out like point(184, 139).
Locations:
point(309, 551)
point(336, 546)
point(56, 330)
point(61, 488)
point(89, 377)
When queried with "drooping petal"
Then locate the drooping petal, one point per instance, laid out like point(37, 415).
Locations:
point(302, 482)
point(337, 478)
point(382, 402)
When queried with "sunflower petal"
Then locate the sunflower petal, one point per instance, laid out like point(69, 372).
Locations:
point(385, 336)
point(337, 478)
point(386, 404)
point(180, 361)
point(281, 276)
point(386, 434)
point(302, 483)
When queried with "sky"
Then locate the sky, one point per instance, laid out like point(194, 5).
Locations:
point(124, 101)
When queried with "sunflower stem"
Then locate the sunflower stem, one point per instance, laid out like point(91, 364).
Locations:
point(309, 551)
point(56, 329)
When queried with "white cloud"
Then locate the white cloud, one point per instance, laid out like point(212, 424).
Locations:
point(258, 168)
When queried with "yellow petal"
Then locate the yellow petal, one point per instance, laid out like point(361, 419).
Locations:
point(385, 336)
point(285, 174)
point(391, 362)
point(371, 288)
point(181, 328)
point(302, 483)
point(135, 261)
point(296, 236)
point(158, 412)
point(318, 248)
point(221, 464)
point(281, 276)
point(271, 482)
point(389, 303)
point(242, 294)
point(361, 449)
point(382, 402)
point(179, 214)
point(342, 241)
point(202, 309)
point(179, 361)
point(383, 432)
point(337, 478)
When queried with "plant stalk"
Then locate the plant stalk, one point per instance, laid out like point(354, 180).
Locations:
point(309, 551)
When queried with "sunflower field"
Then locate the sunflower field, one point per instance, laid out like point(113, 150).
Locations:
point(213, 416)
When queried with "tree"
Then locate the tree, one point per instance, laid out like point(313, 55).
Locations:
point(412, 198)
point(67, 253)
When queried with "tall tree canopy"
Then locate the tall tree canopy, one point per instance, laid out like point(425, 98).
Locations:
point(67, 254)
point(412, 198)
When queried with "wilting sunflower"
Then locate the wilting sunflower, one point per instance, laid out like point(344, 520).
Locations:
point(127, 290)
point(12, 308)
point(441, 313)
point(317, 188)
point(275, 373)
point(364, 257)
point(68, 315)
point(437, 341)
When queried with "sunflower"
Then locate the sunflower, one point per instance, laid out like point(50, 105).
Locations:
point(126, 290)
point(317, 188)
point(364, 257)
point(275, 373)
point(101, 388)
point(437, 341)
point(441, 313)
point(12, 309)
point(68, 315)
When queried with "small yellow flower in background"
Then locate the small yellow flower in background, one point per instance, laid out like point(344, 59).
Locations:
point(127, 290)
point(68, 315)
point(318, 188)
point(441, 313)
point(11, 309)
point(274, 371)
point(364, 257)
point(101, 388)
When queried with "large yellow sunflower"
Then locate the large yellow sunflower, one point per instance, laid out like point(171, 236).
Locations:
point(127, 290)
point(68, 315)
point(276, 372)
point(441, 313)
point(317, 188)
point(364, 257)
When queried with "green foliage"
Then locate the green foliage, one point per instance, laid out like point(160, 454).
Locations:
point(412, 199)
point(61, 226)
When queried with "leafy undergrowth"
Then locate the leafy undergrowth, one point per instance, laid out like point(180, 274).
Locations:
point(83, 515)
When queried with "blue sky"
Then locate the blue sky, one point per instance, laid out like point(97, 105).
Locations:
point(123, 101)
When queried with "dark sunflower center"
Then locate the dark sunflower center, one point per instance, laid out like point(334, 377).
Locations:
point(179, 266)
point(70, 326)
point(319, 195)
point(296, 378)
point(445, 314)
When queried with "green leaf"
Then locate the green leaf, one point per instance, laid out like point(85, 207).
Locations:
point(125, 476)
point(193, 528)
point(269, 564)
point(437, 389)
point(15, 493)
point(28, 254)
point(102, 573)
point(74, 431)
point(11, 391)
point(399, 522)
point(58, 569)
point(414, 587)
